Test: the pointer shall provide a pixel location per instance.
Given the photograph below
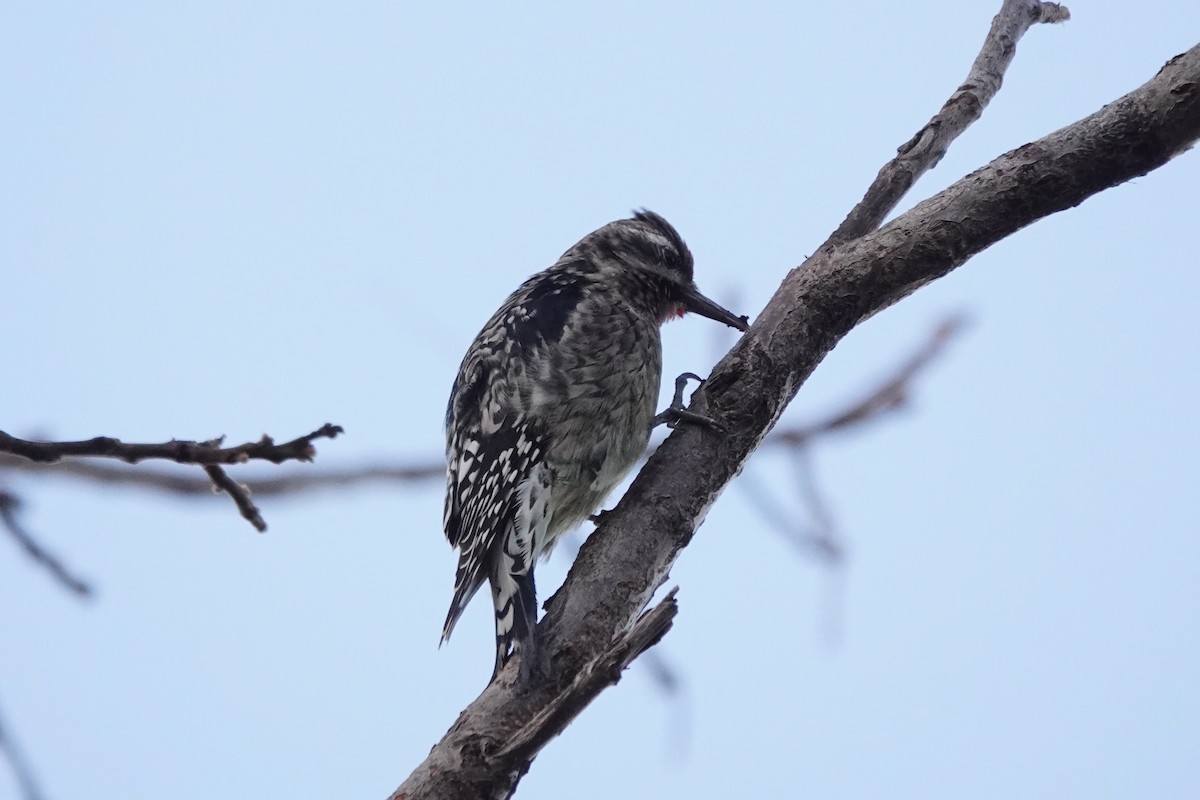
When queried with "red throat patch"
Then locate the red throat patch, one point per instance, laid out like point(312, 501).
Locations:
point(675, 312)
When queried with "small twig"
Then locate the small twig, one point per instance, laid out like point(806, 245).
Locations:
point(809, 540)
point(9, 503)
point(21, 770)
point(240, 495)
point(183, 452)
point(925, 149)
point(664, 675)
point(605, 671)
point(889, 395)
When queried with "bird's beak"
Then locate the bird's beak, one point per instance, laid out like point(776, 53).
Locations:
point(699, 304)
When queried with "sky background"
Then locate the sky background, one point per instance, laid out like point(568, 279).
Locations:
point(244, 218)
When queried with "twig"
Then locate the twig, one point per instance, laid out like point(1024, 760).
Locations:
point(21, 770)
point(180, 451)
point(186, 483)
point(240, 495)
point(889, 395)
point(809, 540)
point(925, 149)
point(208, 454)
point(664, 675)
point(603, 672)
point(9, 503)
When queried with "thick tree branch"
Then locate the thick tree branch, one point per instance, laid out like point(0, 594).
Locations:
point(631, 553)
point(182, 452)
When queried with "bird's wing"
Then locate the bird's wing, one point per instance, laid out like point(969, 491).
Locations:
point(497, 438)
point(494, 451)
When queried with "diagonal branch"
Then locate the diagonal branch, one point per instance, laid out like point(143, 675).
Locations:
point(888, 396)
point(240, 494)
point(26, 780)
point(925, 149)
point(40, 555)
point(817, 304)
point(603, 672)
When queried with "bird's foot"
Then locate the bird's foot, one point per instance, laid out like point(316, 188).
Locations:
point(675, 413)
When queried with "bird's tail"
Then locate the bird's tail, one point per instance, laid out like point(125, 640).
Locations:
point(515, 601)
point(466, 585)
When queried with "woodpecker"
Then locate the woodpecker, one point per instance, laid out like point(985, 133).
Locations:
point(553, 404)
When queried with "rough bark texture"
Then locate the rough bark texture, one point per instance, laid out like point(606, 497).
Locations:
point(629, 556)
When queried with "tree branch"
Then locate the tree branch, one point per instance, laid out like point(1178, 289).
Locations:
point(26, 781)
point(240, 495)
point(630, 554)
point(180, 451)
point(179, 482)
point(888, 396)
point(208, 454)
point(9, 503)
point(925, 149)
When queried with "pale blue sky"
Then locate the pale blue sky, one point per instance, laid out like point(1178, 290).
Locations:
point(244, 218)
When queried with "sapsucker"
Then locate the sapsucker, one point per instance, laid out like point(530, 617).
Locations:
point(553, 404)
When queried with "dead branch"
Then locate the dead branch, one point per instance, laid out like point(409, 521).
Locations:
point(925, 149)
point(9, 504)
point(210, 455)
point(178, 482)
point(240, 495)
point(26, 781)
point(601, 673)
point(816, 305)
point(889, 395)
point(179, 451)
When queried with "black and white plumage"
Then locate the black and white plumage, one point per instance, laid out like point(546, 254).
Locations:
point(553, 404)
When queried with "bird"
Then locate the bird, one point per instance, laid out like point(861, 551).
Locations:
point(552, 405)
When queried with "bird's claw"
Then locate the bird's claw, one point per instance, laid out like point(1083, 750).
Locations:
point(675, 413)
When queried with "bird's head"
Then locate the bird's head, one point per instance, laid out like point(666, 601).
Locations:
point(650, 257)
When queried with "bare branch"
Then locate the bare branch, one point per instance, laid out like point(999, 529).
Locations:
point(21, 770)
point(888, 396)
point(240, 495)
point(9, 503)
point(605, 671)
point(182, 452)
point(817, 304)
point(186, 483)
point(925, 149)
